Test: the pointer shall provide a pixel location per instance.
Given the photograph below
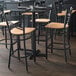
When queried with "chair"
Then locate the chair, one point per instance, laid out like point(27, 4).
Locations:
point(29, 14)
point(64, 27)
point(60, 13)
point(21, 32)
point(3, 7)
point(41, 21)
point(3, 25)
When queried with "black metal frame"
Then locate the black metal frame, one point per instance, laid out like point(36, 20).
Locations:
point(42, 24)
point(66, 36)
point(3, 28)
point(18, 44)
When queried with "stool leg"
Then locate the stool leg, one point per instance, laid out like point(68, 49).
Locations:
point(25, 53)
point(64, 42)
point(18, 47)
point(46, 43)
point(69, 49)
point(51, 40)
point(5, 37)
point(69, 40)
point(10, 52)
point(3, 30)
point(33, 42)
point(38, 34)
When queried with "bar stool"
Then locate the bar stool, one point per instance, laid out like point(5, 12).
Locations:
point(60, 13)
point(28, 14)
point(41, 21)
point(65, 34)
point(21, 31)
point(3, 25)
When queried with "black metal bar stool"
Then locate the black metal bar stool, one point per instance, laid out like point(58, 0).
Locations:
point(3, 25)
point(20, 31)
point(41, 21)
point(64, 27)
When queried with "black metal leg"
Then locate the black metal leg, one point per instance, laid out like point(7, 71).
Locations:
point(10, 52)
point(34, 36)
point(65, 55)
point(68, 34)
point(25, 53)
point(38, 33)
point(5, 37)
point(3, 30)
point(18, 47)
point(24, 44)
point(51, 40)
point(46, 43)
point(33, 40)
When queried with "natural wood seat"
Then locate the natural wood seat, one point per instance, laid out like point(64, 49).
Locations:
point(28, 13)
point(55, 25)
point(7, 11)
point(19, 31)
point(64, 12)
point(42, 20)
point(10, 23)
point(73, 11)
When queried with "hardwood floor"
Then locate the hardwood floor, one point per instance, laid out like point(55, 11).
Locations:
point(54, 66)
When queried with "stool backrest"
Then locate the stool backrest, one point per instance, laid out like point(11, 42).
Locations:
point(1, 10)
point(1, 5)
point(67, 16)
point(58, 7)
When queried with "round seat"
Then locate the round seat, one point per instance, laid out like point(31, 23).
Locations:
point(7, 11)
point(42, 20)
point(28, 13)
point(10, 23)
point(19, 31)
point(55, 25)
point(63, 13)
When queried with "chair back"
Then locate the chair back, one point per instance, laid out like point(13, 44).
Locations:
point(39, 3)
point(46, 13)
point(58, 7)
point(1, 5)
point(67, 16)
point(1, 10)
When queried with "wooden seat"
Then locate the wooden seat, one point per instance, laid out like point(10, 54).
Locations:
point(63, 13)
point(10, 23)
point(19, 31)
point(56, 25)
point(28, 13)
point(42, 20)
point(7, 11)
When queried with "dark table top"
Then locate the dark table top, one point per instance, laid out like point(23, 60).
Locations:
point(35, 9)
point(17, 1)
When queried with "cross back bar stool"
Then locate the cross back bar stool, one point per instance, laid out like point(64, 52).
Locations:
point(20, 31)
point(65, 34)
point(3, 25)
point(41, 21)
point(29, 14)
point(60, 13)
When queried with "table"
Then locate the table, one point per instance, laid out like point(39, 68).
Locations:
point(13, 4)
point(34, 10)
